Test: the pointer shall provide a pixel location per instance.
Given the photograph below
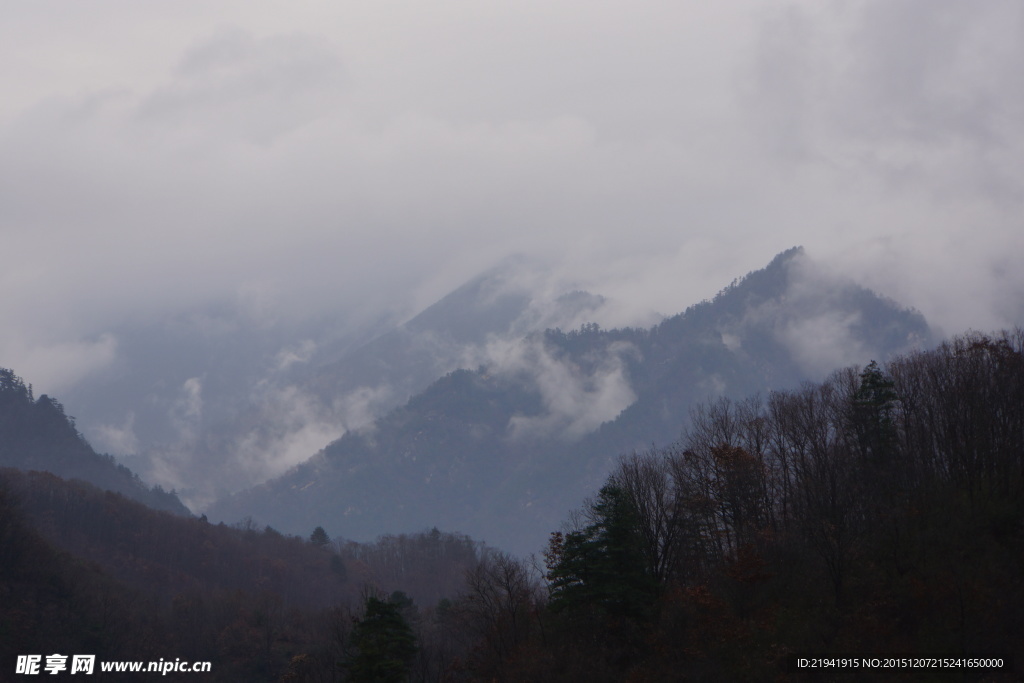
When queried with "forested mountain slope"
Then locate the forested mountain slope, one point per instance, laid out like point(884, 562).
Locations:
point(503, 449)
point(90, 571)
point(35, 434)
point(218, 399)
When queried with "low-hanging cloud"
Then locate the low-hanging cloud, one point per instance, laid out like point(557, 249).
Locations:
point(823, 319)
point(898, 120)
point(57, 365)
point(575, 400)
point(282, 426)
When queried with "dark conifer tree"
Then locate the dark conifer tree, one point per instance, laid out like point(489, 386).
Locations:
point(873, 414)
point(385, 644)
point(319, 537)
point(602, 566)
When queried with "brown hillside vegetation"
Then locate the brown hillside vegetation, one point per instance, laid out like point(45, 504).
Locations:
point(132, 583)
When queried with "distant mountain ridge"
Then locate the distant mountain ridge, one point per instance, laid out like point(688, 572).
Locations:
point(214, 400)
point(435, 341)
point(35, 434)
point(502, 449)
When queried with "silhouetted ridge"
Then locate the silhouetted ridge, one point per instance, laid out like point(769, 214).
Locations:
point(38, 435)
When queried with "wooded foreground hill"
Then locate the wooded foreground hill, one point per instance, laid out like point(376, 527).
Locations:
point(91, 572)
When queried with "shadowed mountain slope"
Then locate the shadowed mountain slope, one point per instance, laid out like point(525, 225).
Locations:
point(502, 451)
point(35, 434)
point(216, 400)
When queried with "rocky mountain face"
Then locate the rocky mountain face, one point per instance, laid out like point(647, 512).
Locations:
point(505, 446)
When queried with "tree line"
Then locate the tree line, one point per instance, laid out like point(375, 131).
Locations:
point(878, 511)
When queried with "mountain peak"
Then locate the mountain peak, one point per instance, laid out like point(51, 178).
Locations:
point(786, 257)
point(537, 424)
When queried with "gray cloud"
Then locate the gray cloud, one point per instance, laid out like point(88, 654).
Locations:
point(898, 123)
point(575, 401)
point(256, 90)
point(338, 161)
point(57, 365)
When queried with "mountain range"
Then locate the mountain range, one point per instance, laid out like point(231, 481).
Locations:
point(217, 400)
point(503, 447)
point(493, 412)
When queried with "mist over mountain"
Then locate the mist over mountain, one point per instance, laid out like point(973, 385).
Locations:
point(529, 425)
point(223, 398)
point(36, 434)
point(496, 304)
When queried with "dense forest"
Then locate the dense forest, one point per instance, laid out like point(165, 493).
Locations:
point(878, 512)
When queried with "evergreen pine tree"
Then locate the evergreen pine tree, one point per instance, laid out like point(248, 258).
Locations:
point(385, 644)
point(601, 567)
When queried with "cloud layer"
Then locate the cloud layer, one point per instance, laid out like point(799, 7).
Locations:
point(337, 160)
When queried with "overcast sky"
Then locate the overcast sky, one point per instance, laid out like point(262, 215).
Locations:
point(308, 157)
